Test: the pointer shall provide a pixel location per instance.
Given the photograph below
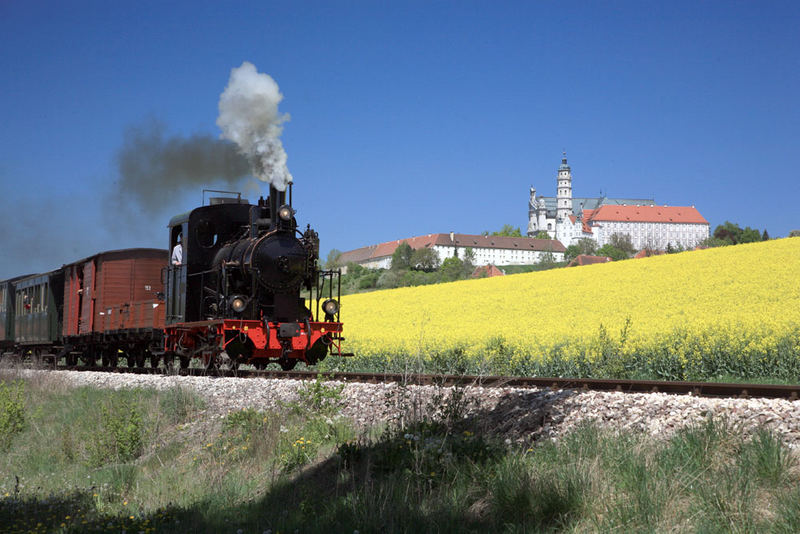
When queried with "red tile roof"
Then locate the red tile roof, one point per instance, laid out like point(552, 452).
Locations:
point(584, 259)
point(653, 214)
point(490, 271)
point(645, 252)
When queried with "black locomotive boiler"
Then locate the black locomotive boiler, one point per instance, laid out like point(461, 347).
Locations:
point(248, 288)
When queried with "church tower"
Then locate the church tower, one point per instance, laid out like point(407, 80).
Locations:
point(564, 196)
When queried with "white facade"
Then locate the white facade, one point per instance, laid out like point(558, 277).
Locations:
point(569, 219)
point(654, 235)
point(495, 250)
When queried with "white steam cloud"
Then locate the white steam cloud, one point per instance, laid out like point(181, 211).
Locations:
point(249, 116)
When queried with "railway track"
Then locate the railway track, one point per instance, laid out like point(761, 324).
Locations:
point(703, 389)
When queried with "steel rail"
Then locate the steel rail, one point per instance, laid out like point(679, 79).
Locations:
point(701, 389)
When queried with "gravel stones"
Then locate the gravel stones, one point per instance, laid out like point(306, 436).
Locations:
point(520, 415)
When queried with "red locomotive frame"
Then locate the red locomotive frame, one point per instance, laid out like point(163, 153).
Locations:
point(208, 339)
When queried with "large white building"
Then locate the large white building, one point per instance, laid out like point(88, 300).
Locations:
point(495, 250)
point(649, 225)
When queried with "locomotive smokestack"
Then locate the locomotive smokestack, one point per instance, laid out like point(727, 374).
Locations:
point(276, 200)
point(249, 116)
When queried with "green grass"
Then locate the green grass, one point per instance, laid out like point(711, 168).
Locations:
point(167, 466)
point(781, 366)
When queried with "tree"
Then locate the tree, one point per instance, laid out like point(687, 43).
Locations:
point(765, 235)
point(547, 259)
point(572, 252)
point(452, 269)
point(729, 232)
point(734, 234)
point(468, 263)
point(794, 233)
point(750, 235)
point(541, 234)
point(612, 252)
point(508, 231)
point(587, 246)
point(334, 259)
point(401, 257)
point(584, 246)
point(622, 242)
point(389, 279)
point(425, 259)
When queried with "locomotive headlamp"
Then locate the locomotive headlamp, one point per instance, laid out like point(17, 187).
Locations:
point(285, 213)
point(330, 307)
point(238, 303)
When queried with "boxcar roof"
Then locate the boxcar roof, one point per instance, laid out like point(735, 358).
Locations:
point(16, 278)
point(35, 279)
point(124, 253)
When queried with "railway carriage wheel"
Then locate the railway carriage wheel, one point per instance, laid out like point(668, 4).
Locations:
point(154, 359)
point(72, 359)
point(287, 364)
point(89, 358)
point(110, 358)
point(212, 363)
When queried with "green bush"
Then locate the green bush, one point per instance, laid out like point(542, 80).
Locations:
point(120, 435)
point(319, 398)
point(12, 412)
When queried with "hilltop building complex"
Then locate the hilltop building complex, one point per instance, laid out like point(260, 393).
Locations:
point(568, 219)
point(495, 250)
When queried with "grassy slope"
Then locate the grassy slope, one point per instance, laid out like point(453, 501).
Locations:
point(278, 472)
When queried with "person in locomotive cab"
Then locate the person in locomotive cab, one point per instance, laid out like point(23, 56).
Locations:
point(177, 251)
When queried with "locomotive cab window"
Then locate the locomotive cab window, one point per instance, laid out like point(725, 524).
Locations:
point(206, 234)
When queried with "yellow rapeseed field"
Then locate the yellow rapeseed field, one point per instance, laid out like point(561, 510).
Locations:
point(730, 302)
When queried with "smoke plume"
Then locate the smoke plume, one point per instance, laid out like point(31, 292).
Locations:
point(153, 168)
point(249, 116)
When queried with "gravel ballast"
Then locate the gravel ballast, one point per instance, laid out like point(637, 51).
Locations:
point(520, 415)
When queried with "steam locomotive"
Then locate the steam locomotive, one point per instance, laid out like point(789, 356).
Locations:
point(240, 290)
point(247, 289)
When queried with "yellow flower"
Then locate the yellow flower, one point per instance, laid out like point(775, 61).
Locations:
point(741, 300)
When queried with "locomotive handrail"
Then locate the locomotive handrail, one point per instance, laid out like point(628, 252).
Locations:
point(237, 193)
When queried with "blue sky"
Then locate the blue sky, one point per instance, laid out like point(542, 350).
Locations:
point(407, 118)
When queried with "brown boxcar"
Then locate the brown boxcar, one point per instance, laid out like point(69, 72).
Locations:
point(113, 294)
